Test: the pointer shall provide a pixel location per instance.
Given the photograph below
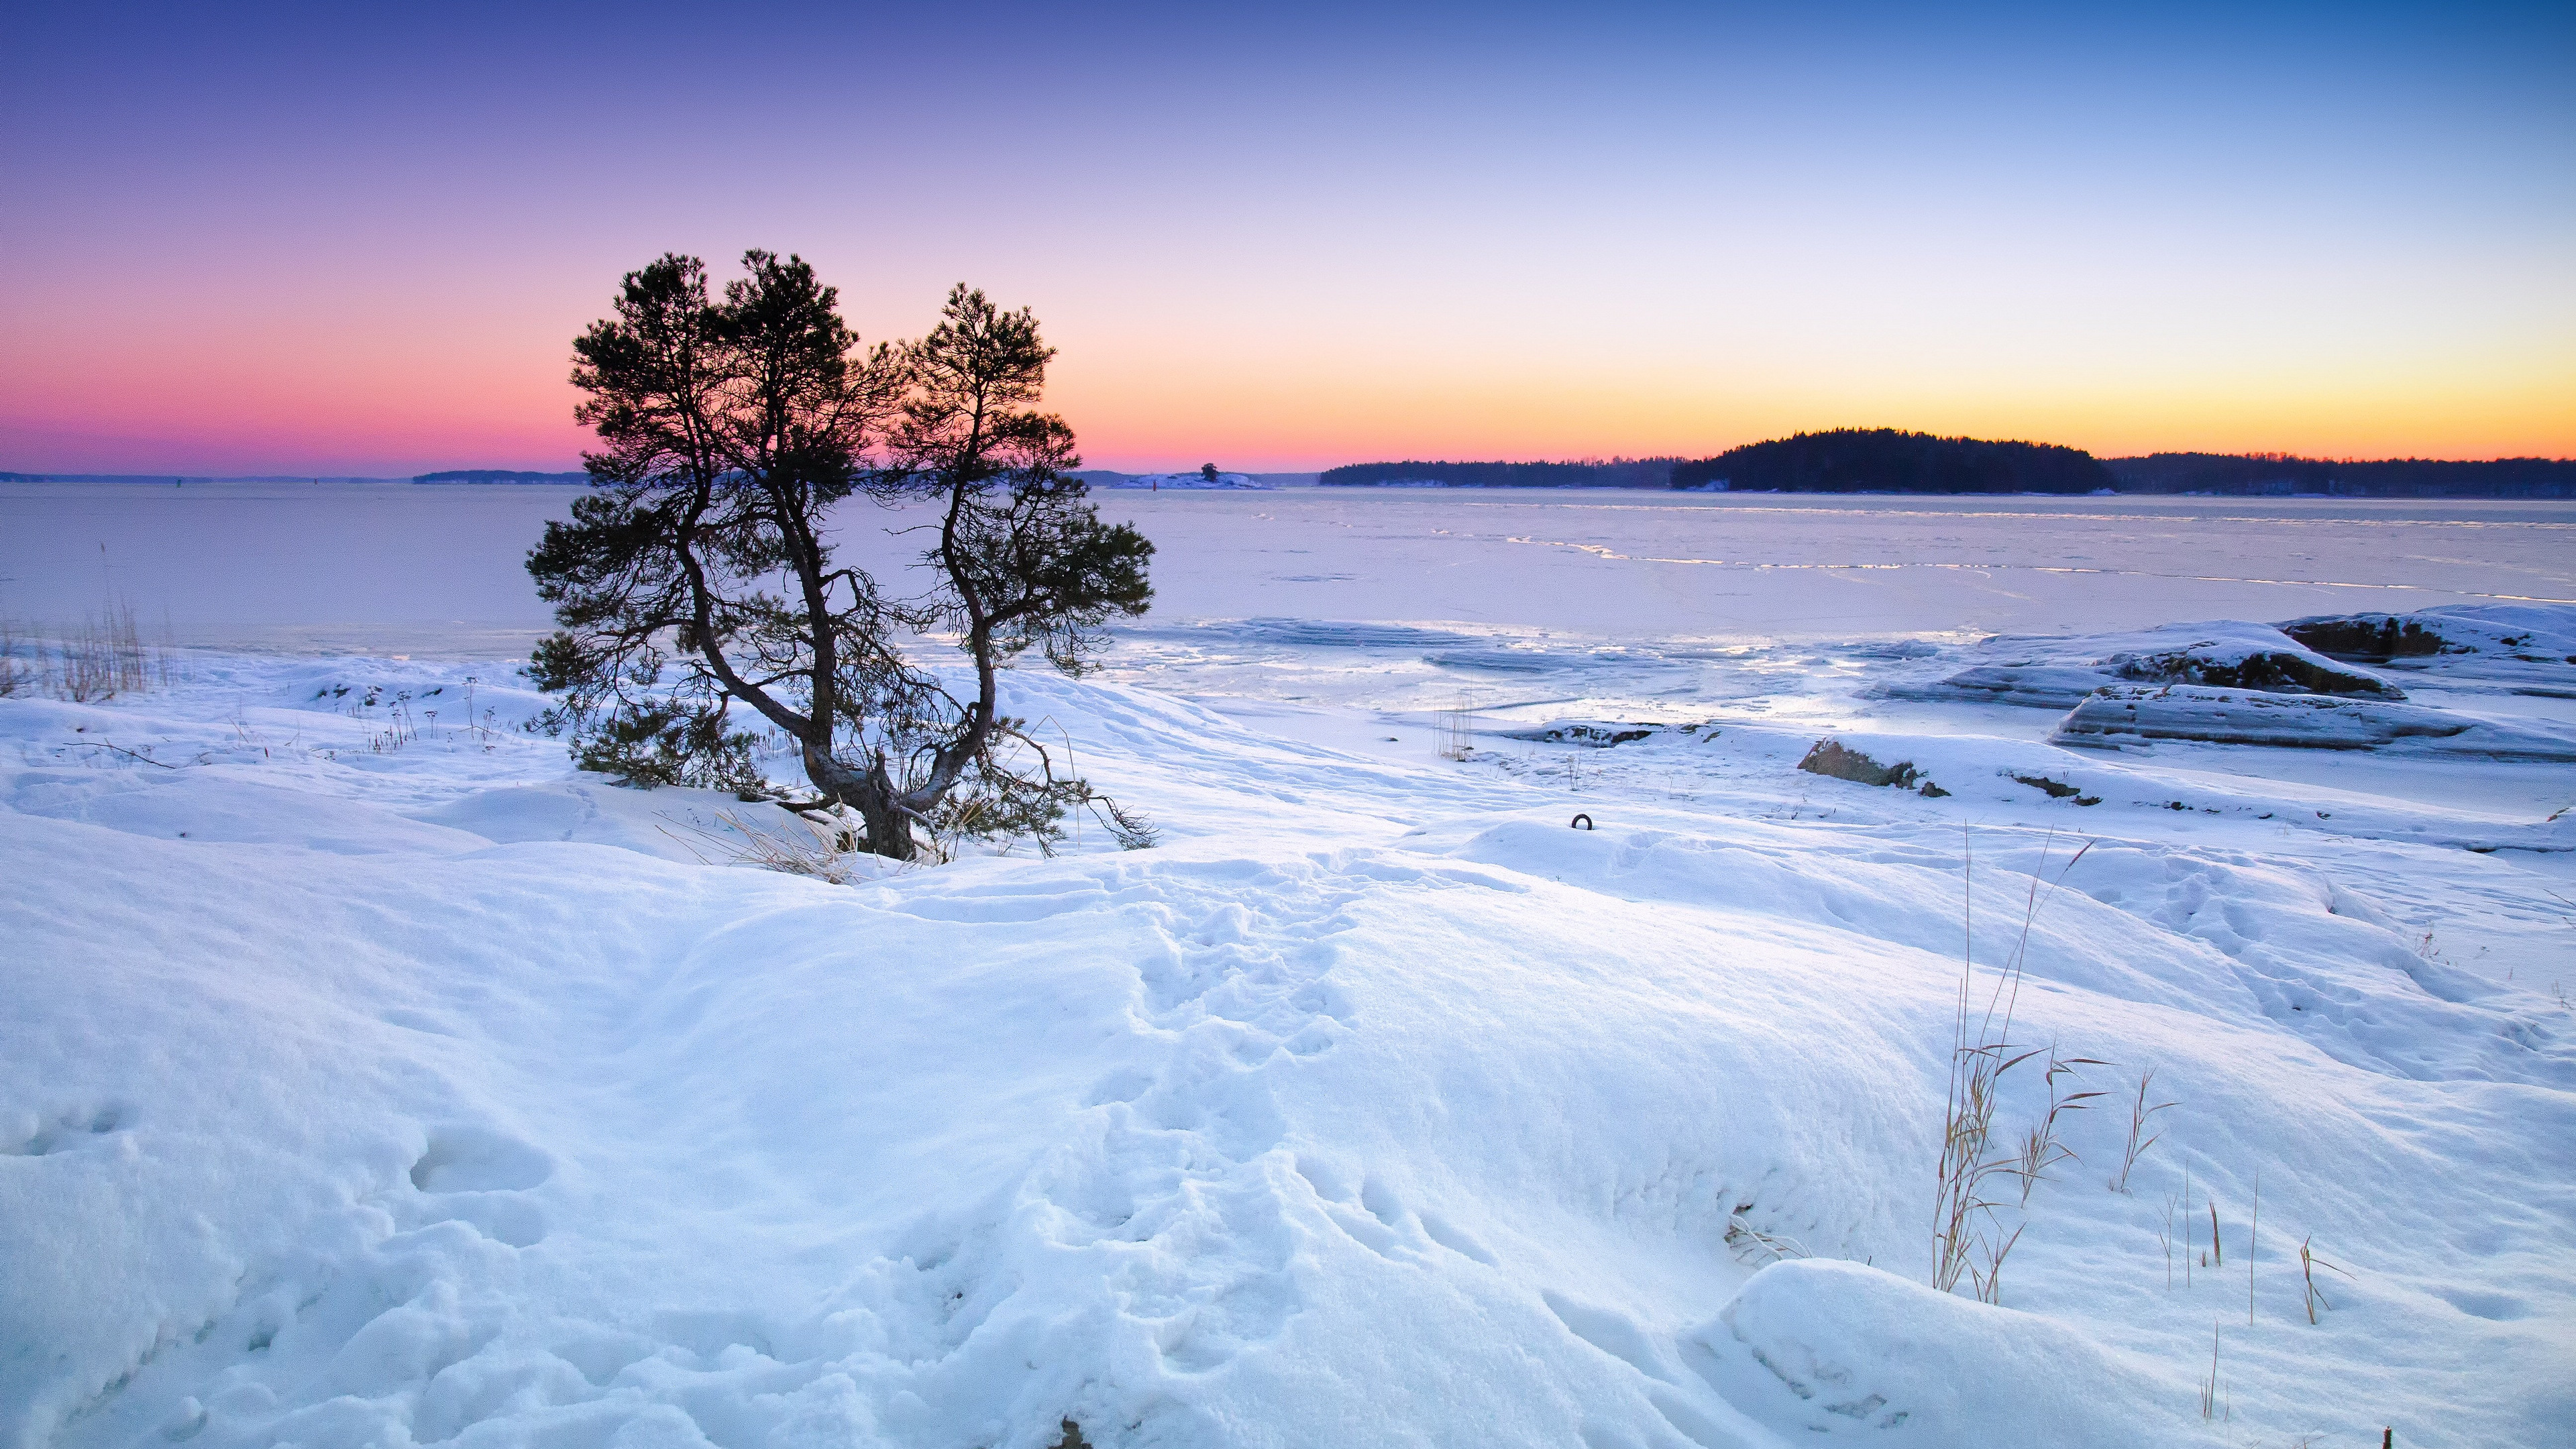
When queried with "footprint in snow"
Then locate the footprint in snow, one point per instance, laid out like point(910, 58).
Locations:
point(67, 1131)
point(475, 1176)
point(472, 1159)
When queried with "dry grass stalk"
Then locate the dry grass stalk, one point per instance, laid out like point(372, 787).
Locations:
point(2211, 1404)
point(98, 659)
point(478, 725)
point(1748, 1242)
point(15, 678)
point(2309, 1263)
point(399, 728)
point(2186, 1208)
point(2252, 1227)
point(826, 850)
point(2164, 1240)
point(1454, 729)
point(2139, 1113)
point(1986, 1276)
point(2040, 1149)
point(1965, 1229)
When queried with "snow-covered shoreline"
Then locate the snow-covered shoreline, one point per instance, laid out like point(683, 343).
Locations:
point(1378, 1104)
point(374, 1077)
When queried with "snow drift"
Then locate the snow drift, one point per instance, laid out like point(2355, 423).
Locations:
point(425, 1092)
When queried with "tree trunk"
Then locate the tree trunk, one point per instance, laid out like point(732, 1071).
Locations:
point(888, 828)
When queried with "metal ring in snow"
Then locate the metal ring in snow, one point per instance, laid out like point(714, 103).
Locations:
point(1581, 821)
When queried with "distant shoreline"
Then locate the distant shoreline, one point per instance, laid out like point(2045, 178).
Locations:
point(2154, 476)
point(195, 483)
point(1890, 461)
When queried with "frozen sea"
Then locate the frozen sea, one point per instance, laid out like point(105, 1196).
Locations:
point(436, 569)
point(372, 1077)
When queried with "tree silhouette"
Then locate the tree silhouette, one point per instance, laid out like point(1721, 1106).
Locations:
point(697, 576)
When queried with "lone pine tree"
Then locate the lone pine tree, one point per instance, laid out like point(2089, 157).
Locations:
point(697, 576)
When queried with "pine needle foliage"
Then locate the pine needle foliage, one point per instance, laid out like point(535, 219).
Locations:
point(698, 577)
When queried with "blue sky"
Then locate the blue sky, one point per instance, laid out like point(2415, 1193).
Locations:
point(304, 239)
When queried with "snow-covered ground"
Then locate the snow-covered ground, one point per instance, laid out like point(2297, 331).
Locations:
point(371, 1077)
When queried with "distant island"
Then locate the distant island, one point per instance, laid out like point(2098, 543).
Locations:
point(1195, 479)
point(1840, 460)
point(2278, 474)
point(1884, 460)
point(1156, 482)
point(187, 478)
point(1594, 473)
point(1888, 460)
point(1096, 477)
point(499, 475)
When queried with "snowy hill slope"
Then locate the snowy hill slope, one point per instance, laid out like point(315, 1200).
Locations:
point(372, 1088)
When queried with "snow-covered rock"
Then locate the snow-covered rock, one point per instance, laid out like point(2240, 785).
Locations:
point(1847, 1350)
point(2138, 714)
point(2521, 648)
point(1595, 734)
point(2057, 672)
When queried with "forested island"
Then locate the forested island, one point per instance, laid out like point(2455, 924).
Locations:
point(1888, 460)
point(1884, 460)
point(2268, 474)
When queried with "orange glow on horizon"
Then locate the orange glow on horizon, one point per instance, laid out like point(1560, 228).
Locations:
point(418, 389)
point(246, 244)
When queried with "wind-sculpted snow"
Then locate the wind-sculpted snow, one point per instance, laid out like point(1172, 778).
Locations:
point(364, 1086)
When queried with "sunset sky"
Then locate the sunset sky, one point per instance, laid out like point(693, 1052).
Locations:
point(346, 240)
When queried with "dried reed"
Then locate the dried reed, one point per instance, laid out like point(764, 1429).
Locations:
point(99, 658)
point(2211, 1400)
point(1748, 1241)
point(1966, 1237)
point(2039, 1148)
point(826, 851)
point(2309, 1263)
point(1455, 729)
point(2139, 1112)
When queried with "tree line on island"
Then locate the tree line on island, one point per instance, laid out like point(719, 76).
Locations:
point(1887, 460)
point(1874, 460)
